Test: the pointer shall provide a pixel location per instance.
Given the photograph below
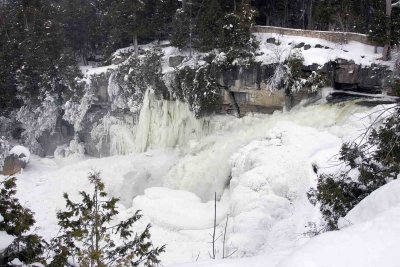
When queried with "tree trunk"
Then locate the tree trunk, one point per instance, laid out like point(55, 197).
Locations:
point(386, 48)
point(286, 14)
point(215, 225)
point(310, 24)
point(135, 43)
point(97, 226)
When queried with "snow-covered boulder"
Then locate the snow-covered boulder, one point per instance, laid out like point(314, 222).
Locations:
point(17, 160)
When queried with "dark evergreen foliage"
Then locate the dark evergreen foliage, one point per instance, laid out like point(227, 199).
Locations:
point(88, 233)
point(375, 162)
point(17, 221)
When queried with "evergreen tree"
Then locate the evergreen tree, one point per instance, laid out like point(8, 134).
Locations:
point(377, 32)
point(80, 26)
point(87, 232)
point(128, 21)
point(181, 29)
point(209, 25)
point(236, 27)
point(376, 162)
point(17, 221)
point(39, 65)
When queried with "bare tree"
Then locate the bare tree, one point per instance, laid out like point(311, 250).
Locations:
point(386, 48)
point(214, 239)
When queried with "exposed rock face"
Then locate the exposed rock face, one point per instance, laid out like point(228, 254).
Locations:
point(243, 90)
point(100, 84)
point(371, 79)
point(13, 165)
point(175, 61)
point(62, 134)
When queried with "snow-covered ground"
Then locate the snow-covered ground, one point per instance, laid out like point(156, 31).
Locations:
point(320, 51)
point(260, 166)
point(326, 51)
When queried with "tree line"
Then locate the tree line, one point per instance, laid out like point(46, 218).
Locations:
point(41, 41)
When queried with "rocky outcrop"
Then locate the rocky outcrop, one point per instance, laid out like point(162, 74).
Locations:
point(243, 90)
point(365, 79)
point(13, 165)
point(175, 61)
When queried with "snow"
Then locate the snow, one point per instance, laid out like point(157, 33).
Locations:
point(22, 153)
point(173, 209)
point(268, 203)
point(371, 240)
point(382, 199)
point(260, 166)
point(5, 240)
point(93, 70)
point(360, 53)
point(16, 262)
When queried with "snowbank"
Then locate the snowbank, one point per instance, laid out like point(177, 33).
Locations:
point(173, 209)
point(373, 242)
point(360, 53)
point(5, 240)
point(382, 199)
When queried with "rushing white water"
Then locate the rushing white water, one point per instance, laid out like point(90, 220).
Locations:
point(205, 168)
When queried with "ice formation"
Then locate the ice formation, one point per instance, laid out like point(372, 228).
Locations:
point(259, 165)
point(164, 124)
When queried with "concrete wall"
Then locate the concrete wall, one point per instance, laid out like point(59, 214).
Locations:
point(336, 37)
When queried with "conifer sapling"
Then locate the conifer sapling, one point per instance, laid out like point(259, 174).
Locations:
point(89, 237)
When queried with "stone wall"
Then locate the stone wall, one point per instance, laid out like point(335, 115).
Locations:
point(336, 37)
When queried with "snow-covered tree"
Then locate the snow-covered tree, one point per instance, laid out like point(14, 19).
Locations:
point(289, 76)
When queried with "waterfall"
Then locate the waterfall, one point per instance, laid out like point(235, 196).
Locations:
point(167, 124)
